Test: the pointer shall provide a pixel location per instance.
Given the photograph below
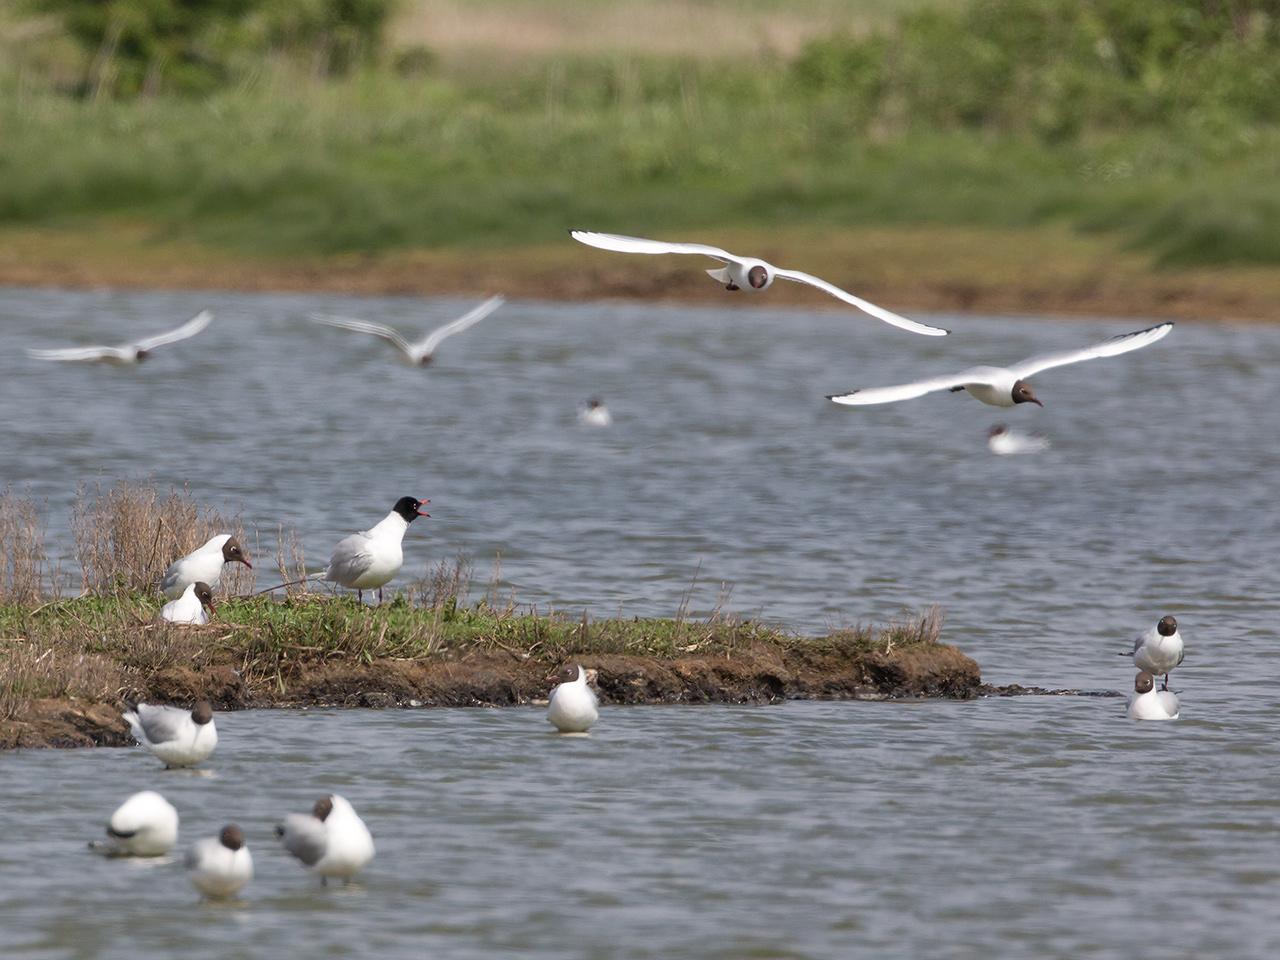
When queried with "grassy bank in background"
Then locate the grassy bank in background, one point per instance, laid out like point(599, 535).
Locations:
point(1147, 132)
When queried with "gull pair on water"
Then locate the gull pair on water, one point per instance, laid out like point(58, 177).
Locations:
point(127, 354)
point(146, 825)
point(1156, 651)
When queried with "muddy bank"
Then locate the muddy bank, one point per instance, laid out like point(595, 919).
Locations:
point(760, 674)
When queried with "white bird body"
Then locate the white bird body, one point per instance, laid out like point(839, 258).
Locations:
point(188, 608)
point(204, 564)
point(595, 414)
point(1004, 386)
point(747, 273)
point(126, 354)
point(420, 352)
point(573, 706)
point(1158, 653)
point(371, 557)
point(220, 866)
point(180, 738)
point(332, 841)
point(1153, 705)
point(1003, 442)
point(145, 825)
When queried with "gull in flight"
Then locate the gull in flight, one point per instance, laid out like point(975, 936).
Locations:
point(748, 273)
point(129, 353)
point(1004, 386)
point(419, 354)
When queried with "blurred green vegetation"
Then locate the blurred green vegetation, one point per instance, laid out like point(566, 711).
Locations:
point(1154, 121)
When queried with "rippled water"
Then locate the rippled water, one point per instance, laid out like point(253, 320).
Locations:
point(1030, 827)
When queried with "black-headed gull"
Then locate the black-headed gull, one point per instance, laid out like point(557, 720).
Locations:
point(220, 866)
point(178, 737)
point(1005, 386)
point(128, 353)
point(1148, 703)
point(145, 825)
point(418, 353)
point(1160, 649)
point(748, 273)
point(595, 414)
point(190, 607)
point(203, 565)
point(331, 841)
point(572, 707)
point(372, 557)
point(1004, 442)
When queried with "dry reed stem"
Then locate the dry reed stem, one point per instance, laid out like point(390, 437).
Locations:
point(22, 557)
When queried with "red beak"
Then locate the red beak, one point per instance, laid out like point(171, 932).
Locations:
point(421, 512)
point(245, 561)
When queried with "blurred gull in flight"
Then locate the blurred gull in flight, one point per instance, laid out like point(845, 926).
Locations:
point(420, 352)
point(1005, 386)
point(1004, 442)
point(747, 273)
point(129, 353)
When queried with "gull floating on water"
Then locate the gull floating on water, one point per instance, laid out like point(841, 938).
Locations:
point(1159, 650)
point(145, 825)
point(203, 565)
point(372, 557)
point(1004, 442)
point(1005, 386)
point(595, 414)
point(181, 738)
point(220, 866)
point(419, 352)
point(572, 707)
point(1147, 703)
point(190, 606)
point(128, 353)
point(748, 273)
point(331, 841)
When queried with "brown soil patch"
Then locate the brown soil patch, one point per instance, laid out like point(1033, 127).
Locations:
point(761, 674)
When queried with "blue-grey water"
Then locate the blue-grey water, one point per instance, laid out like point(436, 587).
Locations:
point(1045, 827)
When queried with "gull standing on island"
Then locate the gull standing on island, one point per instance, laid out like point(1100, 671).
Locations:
point(203, 564)
point(129, 353)
point(1004, 386)
point(748, 273)
point(145, 825)
point(190, 607)
point(180, 738)
point(220, 866)
point(1159, 650)
point(572, 707)
point(372, 557)
point(418, 353)
point(331, 841)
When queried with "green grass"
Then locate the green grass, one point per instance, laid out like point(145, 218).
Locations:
point(1122, 119)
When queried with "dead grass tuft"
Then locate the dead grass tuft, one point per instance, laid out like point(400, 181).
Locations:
point(22, 557)
point(31, 671)
point(128, 534)
point(445, 585)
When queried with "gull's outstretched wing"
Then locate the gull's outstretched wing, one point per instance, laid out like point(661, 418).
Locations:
point(880, 313)
point(472, 317)
point(621, 244)
point(364, 326)
point(73, 353)
point(188, 329)
point(909, 391)
point(160, 724)
point(1107, 348)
